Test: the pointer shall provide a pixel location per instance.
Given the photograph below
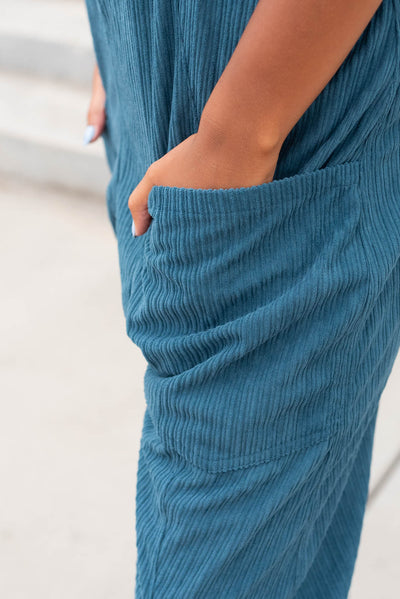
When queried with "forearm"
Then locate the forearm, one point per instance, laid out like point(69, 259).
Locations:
point(286, 55)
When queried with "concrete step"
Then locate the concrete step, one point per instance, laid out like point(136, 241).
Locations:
point(47, 38)
point(41, 131)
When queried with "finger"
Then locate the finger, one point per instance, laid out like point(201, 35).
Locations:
point(96, 120)
point(138, 206)
point(96, 116)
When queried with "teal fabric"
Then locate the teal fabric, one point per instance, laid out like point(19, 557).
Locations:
point(269, 315)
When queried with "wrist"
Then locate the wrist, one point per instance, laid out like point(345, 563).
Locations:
point(239, 135)
point(236, 158)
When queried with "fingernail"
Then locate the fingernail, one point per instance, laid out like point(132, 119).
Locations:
point(88, 135)
point(133, 228)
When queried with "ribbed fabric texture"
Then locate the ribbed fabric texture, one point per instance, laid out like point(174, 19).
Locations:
point(269, 315)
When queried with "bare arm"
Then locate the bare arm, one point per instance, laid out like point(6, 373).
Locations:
point(288, 52)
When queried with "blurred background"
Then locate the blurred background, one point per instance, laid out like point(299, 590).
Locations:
point(71, 388)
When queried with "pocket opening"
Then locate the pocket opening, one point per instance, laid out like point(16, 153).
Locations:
point(292, 190)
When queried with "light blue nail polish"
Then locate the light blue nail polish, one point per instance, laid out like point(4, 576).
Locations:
point(133, 228)
point(88, 135)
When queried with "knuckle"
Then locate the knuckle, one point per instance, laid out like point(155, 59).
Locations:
point(131, 204)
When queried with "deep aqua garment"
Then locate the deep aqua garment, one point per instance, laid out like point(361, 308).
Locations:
point(269, 315)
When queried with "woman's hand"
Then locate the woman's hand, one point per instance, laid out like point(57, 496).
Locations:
point(206, 159)
point(286, 55)
point(96, 116)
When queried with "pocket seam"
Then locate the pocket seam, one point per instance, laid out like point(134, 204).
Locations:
point(217, 466)
point(292, 185)
point(157, 211)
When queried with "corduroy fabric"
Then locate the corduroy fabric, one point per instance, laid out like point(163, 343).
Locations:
point(269, 315)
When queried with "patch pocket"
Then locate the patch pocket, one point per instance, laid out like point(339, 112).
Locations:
point(249, 296)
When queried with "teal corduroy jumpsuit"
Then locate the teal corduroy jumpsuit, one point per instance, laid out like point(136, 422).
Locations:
point(269, 315)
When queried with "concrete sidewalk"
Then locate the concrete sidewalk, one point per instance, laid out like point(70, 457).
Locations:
point(72, 406)
point(71, 402)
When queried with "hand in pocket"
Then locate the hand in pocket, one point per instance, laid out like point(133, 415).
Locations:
point(201, 161)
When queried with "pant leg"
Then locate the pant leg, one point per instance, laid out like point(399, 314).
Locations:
point(288, 528)
point(334, 540)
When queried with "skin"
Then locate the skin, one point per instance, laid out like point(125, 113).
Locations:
point(96, 114)
point(288, 52)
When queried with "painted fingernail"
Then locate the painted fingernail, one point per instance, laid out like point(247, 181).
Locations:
point(133, 228)
point(88, 135)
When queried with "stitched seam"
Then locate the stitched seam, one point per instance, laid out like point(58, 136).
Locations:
point(256, 462)
point(247, 210)
point(212, 466)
